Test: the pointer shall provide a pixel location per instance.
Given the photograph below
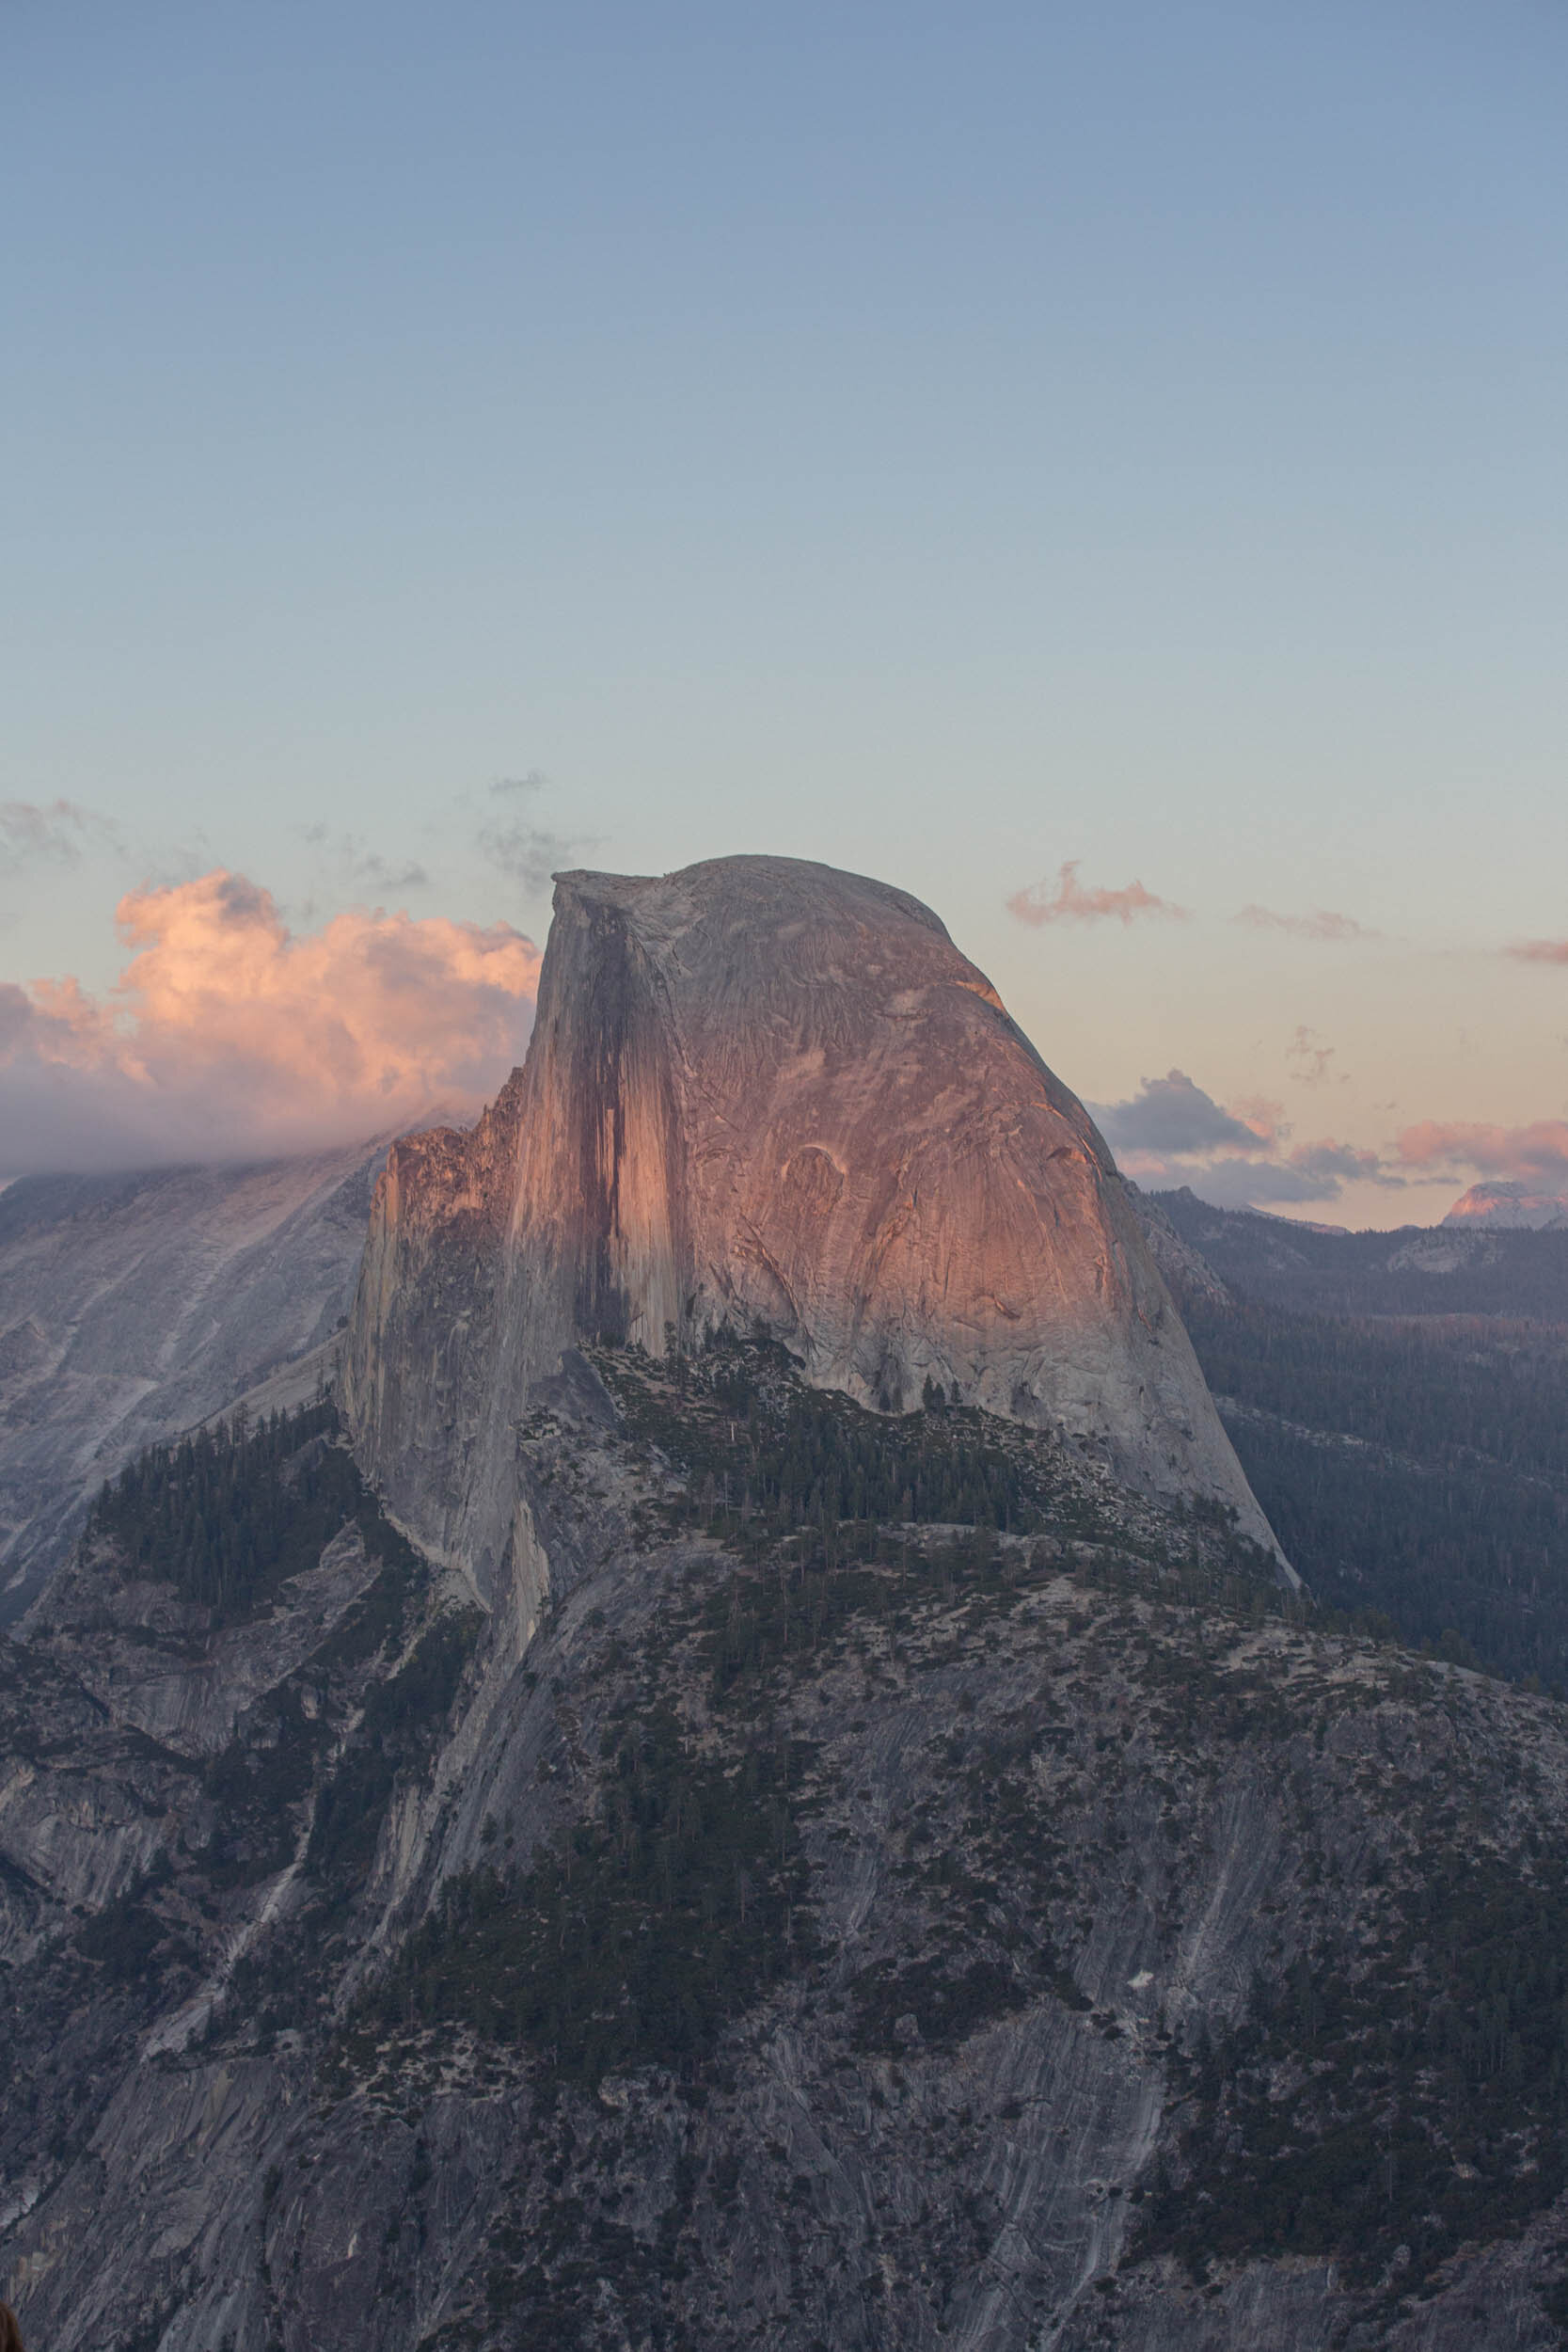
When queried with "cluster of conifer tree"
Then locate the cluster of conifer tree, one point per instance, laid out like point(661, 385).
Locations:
point(634, 1936)
point(820, 1463)
point(1433, 2105)
point(754, 1437)
point(226, 1513)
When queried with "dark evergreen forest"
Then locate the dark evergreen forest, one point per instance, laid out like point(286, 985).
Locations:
point(228, 1514)
point(1414, 1462)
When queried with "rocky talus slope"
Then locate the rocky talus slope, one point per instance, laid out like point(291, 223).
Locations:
point(762, 1091)
point(863, 1881)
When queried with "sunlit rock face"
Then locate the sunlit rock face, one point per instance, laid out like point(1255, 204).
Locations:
point(763, 1089)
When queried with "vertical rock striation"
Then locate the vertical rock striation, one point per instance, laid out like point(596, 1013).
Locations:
point(763, 1090)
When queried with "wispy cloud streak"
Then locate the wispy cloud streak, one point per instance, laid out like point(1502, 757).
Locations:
point(1323, 925)
point(510, 839)
point(1069, 902)
point(52, 832)
point(361, 867)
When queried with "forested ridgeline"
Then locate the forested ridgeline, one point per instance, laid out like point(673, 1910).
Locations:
point(997, 1799)
point(1414, 1465)
point(758, 1455)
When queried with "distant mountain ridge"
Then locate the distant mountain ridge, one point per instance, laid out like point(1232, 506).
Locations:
point(135, 1306)
point(1466, 1269)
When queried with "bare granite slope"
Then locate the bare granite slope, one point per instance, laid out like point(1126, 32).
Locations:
point(763, 1090)
point(135, 1306)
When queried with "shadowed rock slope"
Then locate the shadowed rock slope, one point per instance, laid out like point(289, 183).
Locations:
point(865, 1882)
point(762, 1091)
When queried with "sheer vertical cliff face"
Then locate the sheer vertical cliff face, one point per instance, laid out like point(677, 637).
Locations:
point(763, 1089)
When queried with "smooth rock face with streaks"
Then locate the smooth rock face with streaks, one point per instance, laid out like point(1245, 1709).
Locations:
point(763, 1090)
point(134, 1306)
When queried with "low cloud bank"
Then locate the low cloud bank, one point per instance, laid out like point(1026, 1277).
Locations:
point(1238, 1156)
point(1241, 1156)
point(229, 1037)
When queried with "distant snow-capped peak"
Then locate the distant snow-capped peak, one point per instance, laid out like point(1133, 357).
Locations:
point(1514, 1206)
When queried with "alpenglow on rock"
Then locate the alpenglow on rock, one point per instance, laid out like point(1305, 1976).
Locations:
point(760, 1089)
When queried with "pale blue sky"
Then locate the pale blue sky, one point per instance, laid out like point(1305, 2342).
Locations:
point(943, 442)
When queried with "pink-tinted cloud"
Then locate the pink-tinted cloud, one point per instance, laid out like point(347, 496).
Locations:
point(1540, 951)
point(1322, 923)
point(1070, 902)
point(228, 1035)
point(1263, 1118)
point(1527, 1153)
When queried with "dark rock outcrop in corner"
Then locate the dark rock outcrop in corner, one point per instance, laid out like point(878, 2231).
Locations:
point(763, 1090)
